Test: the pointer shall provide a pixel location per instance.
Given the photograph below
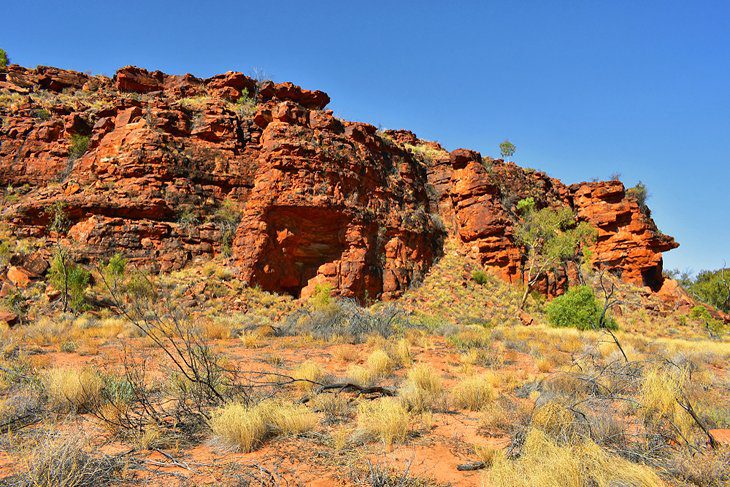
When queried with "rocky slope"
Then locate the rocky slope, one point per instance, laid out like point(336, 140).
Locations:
point(168, 169)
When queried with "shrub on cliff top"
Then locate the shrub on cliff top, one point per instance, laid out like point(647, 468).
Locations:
point(507, 149)
point(577, 308)
point(4, 59)
point(640, 194)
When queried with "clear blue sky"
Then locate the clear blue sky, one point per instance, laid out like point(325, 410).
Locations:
point(583, 88)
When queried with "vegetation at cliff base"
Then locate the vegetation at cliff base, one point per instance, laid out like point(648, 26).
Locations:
point(578, 308)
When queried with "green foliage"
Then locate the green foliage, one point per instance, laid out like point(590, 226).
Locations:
point(322, 297)
point(525, 205)
point(71, 279)
point(507, 149)
point(577, 308)
point(640, 194)
point(78, 146)
point(550, 236)
point(42, 114)
point(141, 288)
point(480, 277)
point(16, 302)
point(187, 218)
point(246, 104)
point(6, 252)
point(702, 315)
point(227, 216)
point(114, 270)
point(4, 59)
point(59, 219)
point(712, 287)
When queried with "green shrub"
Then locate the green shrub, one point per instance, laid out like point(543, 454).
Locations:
point(78, 147)
point(246, 104)
point(228, 216)
point(525, 205)
point(4, 59)
point(577, 308)
point(480, 277)
point(712, 287)
point(639, 193)
point(114, 271)
point(507, 149)
point(71, 279)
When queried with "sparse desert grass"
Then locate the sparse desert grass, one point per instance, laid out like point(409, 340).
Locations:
point(333, 406)
point(360, 375)
point(73, 389)
point(215, 330)
point(239, 427)
point(660, 390)
point(251, 339)
point(423, 390)
point(546, 463)
point(308, 371)
point(58, 459)
point(554, 419)
point(385, 419)
point(380, 364)
point(286, 418)
point(243, 428)
point(473, 393)
point(494, 416)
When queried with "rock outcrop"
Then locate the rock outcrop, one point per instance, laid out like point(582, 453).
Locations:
point(168, 169)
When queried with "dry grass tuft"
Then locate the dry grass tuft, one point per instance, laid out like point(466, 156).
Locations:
point(64, 460)
point(73, 389)
point(473, 392)
point(554, 420)
point(287, 418)
point(243, 428)
point(423, 389)
point(239, 427)
point(334, 406)
point(549, 464)
point(380, 364)
point(385, 419)
point(308, 371)
point(660, 390)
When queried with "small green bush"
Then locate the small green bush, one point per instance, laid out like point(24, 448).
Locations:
point(71, 279)
point(114, 270)
point(639, 193)
point(507, 149)
point(4, 59)
point(228, 216)
point(480, 277)
point(78, 147)
point(246, 104)
point(525, 205)
point(577, 308)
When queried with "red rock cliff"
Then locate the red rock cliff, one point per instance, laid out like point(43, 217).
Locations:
point(319, 199)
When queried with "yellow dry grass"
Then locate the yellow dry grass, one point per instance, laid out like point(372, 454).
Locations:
point(422, 390)
point(385, 419)
point(548, 464)
point(73, 389)
point(308, 371)
point(239, 427)
point(473, 393)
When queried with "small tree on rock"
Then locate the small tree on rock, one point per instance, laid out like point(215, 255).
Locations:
point(507, 149)
point(4, 59)
point(548, 237)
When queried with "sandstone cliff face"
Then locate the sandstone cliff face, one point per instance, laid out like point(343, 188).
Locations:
point(318, 199)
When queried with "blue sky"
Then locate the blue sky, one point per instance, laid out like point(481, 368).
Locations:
point(584, 89)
